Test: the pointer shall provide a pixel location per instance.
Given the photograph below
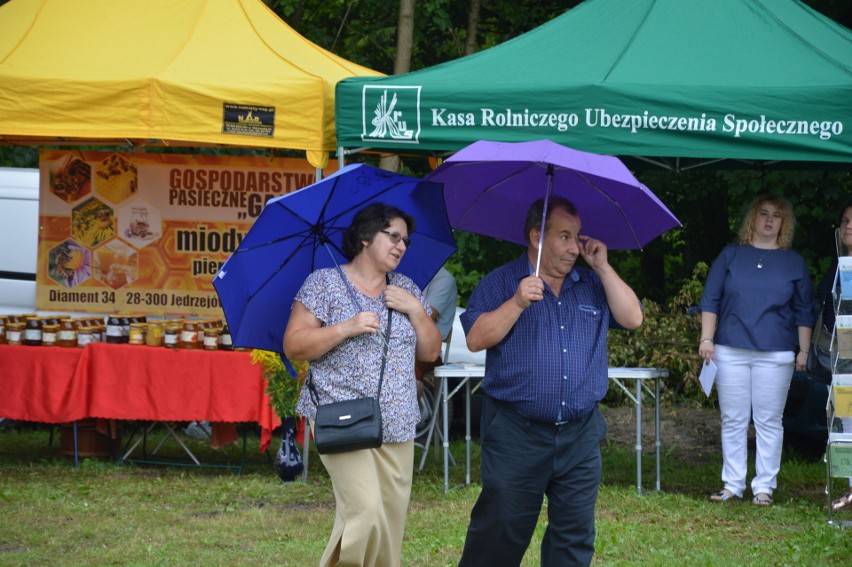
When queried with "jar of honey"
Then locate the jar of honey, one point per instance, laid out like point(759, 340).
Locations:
point(113, 330)
point(154, 334)
point(211, 338)
point(125, 329)
point(98, 332)
point(32, 331)
point(49, 334)
point(225, 342)
point(137, 333)
point(171, 332)
point(4, 319)
point(84, 336)
point(188, 336)
point(67, 336)
point(14, 333)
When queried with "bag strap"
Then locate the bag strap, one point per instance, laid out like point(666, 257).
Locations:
point(310, 381)
point(384, 353)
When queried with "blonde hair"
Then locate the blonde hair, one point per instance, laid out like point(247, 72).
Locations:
point(788, 220)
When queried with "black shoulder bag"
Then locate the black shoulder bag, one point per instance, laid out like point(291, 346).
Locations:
point(819, 356)
point(350, 425)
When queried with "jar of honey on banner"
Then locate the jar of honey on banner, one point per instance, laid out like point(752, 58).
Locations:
point(67, 336)
point(49, 334)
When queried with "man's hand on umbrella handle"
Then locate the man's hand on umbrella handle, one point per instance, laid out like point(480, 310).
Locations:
point(530, 289)
point(593, 251)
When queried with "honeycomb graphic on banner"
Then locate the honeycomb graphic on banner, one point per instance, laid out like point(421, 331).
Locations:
point(115, 179)
point(71, 179)
point(92, 222)
point(116, 264)
point(69, 264)
point(139, 223)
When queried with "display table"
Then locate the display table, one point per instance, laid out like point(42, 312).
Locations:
point(129, 382)
point(469, 377)
point(38, 384)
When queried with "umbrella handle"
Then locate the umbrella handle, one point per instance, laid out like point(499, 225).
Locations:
point(544, 217)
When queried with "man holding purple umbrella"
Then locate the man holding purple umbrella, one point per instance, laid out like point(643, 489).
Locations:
point(545, 372)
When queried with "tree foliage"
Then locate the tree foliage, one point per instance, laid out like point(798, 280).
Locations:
point(709, 202)
point(667, 339)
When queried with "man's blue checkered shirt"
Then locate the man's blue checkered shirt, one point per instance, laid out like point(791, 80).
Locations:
point(552, 365)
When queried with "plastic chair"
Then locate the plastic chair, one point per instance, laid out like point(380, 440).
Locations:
point(434, 411)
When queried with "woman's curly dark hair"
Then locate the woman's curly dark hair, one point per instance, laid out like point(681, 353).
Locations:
point(369, 221)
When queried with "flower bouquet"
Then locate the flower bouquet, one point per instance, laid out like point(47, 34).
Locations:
point(283, 389)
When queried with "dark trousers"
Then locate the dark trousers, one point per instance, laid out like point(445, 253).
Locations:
point(522, 461)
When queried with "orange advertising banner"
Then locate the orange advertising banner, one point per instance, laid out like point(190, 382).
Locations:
point(146, 233)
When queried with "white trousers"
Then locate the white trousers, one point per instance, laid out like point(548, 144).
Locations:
point(752, 384)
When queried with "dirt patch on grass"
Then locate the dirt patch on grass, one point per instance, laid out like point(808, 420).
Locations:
point(689, 433)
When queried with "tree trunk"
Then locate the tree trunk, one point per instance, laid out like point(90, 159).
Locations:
point(404, 37)
point(402, 64)
point(470, 43)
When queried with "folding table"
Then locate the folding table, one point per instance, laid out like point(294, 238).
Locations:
point(470, 378)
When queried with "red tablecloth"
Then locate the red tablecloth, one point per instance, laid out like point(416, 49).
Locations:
point(57, 385)
point(38, 384)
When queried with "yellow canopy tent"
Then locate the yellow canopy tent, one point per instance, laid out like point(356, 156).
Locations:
point(165, 72)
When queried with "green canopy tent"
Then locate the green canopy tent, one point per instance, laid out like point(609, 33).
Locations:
point(673, 82)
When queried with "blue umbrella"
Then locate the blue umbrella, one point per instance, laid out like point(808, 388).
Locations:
point(302, 231)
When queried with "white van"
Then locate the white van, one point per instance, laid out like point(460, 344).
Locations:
point(18, 239)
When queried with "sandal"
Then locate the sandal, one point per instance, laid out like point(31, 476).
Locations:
point(724, 495)
point(842, 502)
point(762, 499)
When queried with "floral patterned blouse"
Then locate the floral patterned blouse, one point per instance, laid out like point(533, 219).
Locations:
point(351, 369)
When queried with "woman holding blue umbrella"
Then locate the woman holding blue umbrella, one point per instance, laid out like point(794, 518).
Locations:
point(338, 323)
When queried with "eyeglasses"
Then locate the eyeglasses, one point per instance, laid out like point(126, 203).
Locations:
point(395, 237)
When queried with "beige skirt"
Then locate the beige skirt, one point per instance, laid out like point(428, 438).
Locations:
point(372, 488)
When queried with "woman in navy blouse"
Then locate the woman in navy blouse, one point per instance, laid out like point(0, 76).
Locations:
point(756, 324)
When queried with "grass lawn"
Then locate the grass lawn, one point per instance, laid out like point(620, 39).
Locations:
point(103, 514)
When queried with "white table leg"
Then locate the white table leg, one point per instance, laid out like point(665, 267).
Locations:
point(657, 426)
point(446, 440)
point(639, 437)
point(467, 430)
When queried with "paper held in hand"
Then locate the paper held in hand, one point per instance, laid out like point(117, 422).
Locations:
point(707, 376)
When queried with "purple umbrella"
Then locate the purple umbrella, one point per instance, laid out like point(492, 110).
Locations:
point(489, 186)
